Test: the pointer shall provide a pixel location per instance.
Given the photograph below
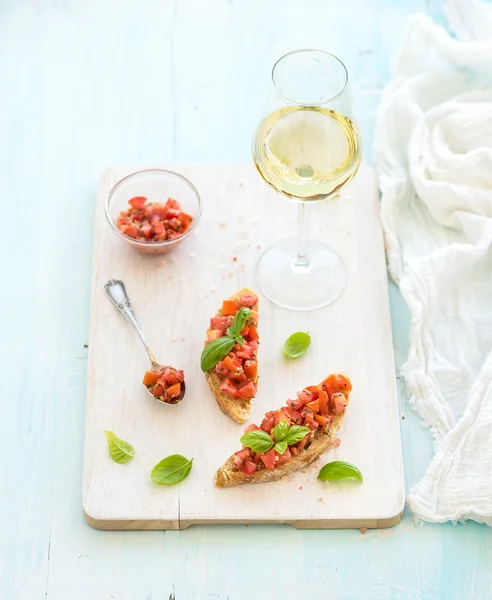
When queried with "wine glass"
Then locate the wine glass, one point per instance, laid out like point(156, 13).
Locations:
point(307, 149)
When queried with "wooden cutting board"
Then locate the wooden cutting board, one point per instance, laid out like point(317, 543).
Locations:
point(174, 296)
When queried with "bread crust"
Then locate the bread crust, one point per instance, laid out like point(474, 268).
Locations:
point(228, 475)
point(237, 410)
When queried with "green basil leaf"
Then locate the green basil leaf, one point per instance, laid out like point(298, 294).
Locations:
point(171, 470)
point(297, 344)
point(295, 434)
point(339, 470)
point(258, 441)
point(215, 351)
point(280, 431)
point(119, 450)
point(239, 322)
point(280, 447)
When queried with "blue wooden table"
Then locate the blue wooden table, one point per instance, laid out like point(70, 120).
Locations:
point(87, 83)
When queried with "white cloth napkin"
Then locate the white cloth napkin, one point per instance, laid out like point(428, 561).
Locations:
point(434, 155)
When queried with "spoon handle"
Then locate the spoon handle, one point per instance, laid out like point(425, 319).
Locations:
point(116, 292)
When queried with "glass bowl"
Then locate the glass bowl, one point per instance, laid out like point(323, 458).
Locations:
point(157, 185)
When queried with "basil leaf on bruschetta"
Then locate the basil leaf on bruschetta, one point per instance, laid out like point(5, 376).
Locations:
point(280, 447)
point(295, 434)
point(238, 322)
point(280, 431)
point(215, 351)
point(258, 441)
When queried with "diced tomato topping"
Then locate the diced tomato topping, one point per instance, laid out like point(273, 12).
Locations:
point(173, 391)
point(323, 421)
point(230, 364)
point(268, 423)
point(214, 334)
point(220, 323)
point(323, 403)
point(221, 369)
point(247, 391)
point(137, 202)
point(229, 307)
point(248, 468)
point(158, 390)
point(302, 444)
point(282, 415)
point(153, 222)
point(305, 396)
point(338, 402)
point(296, 417)
point(268, 459)
point(129, 230)
point(314, 405)
point(185, 219)
point(314, 390)
point(229, 388)
point(280, 459)
point(252, 427)
point(295, 404)
point(243, 351)
point(151, 378)
point(337, 383)
point(252, 333)
point(244, 454)
point(248, 300)
point(250, 369)
point(172, 376)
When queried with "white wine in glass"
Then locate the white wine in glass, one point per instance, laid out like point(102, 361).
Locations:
point(306, 148)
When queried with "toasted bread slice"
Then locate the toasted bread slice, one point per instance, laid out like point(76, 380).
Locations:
point(228, 475)
point(237, 410)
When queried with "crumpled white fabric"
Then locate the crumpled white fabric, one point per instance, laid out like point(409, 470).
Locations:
point(434, 156)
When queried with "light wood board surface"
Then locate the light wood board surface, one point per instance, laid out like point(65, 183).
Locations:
point(174, 297)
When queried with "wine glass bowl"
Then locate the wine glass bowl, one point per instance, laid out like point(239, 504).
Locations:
point(307, 148)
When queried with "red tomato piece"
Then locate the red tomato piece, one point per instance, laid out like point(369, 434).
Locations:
point(243, 351)
point(151, 378)
point(173, 391)
point(337, 383)
point(229, 307)
point(281, 415)
point(220, 323)
point(338, 403)
point(251, 369)
point(248, 300)
point(229, 388)
point(130, 231)
point(323, 403)
point(252, 333)
point(281, 459)
point(268, 422)
point(248, 468)
point(247, 391)
point(158, 390)
point(252, 427)
point(137, 202)
point(268, 459)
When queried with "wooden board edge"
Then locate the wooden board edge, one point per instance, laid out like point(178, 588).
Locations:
point(130, 525)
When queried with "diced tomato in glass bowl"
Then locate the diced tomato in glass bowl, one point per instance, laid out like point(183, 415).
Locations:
point(153, 210)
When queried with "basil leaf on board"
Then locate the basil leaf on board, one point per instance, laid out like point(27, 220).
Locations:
point(239, 322)
point(297, 344)
point(295, 434)
point(339, 470)
point(280, 447)
point(258, 440)
point(119, 450)
point(280, 431)
point(215, 351)
point(171, 470)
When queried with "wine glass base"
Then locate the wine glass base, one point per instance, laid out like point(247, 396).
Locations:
point(301, 287)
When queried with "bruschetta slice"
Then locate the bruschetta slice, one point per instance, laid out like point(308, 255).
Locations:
point(233, 378)
point(290, 438)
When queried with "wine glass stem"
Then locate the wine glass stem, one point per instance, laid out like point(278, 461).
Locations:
point(302, 258)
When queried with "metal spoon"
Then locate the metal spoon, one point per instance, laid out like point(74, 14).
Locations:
point(116, 292)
